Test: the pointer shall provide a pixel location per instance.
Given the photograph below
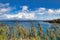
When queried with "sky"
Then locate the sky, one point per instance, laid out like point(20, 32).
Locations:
point(29, 9)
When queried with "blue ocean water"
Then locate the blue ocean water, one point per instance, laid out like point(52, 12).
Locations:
point(27, 24)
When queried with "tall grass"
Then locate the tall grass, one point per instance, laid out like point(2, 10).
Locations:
point(20, 33)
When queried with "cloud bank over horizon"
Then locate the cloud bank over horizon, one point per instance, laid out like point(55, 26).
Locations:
point(25, 13)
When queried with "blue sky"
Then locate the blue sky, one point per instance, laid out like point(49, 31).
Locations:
point(29, 9)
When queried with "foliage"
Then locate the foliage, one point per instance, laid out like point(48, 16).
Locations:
point(20, 32)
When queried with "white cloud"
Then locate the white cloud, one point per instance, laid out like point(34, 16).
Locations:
point(51, 11)
point(58, 11)
point(20, 15)
point(25, 13)
point(4, 8)
point(4, 5)
point(24, 8)
point(40, 11)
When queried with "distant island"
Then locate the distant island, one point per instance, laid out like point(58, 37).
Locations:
point(53, 21)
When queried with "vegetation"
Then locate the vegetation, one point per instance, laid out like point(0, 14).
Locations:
point(21, 33)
